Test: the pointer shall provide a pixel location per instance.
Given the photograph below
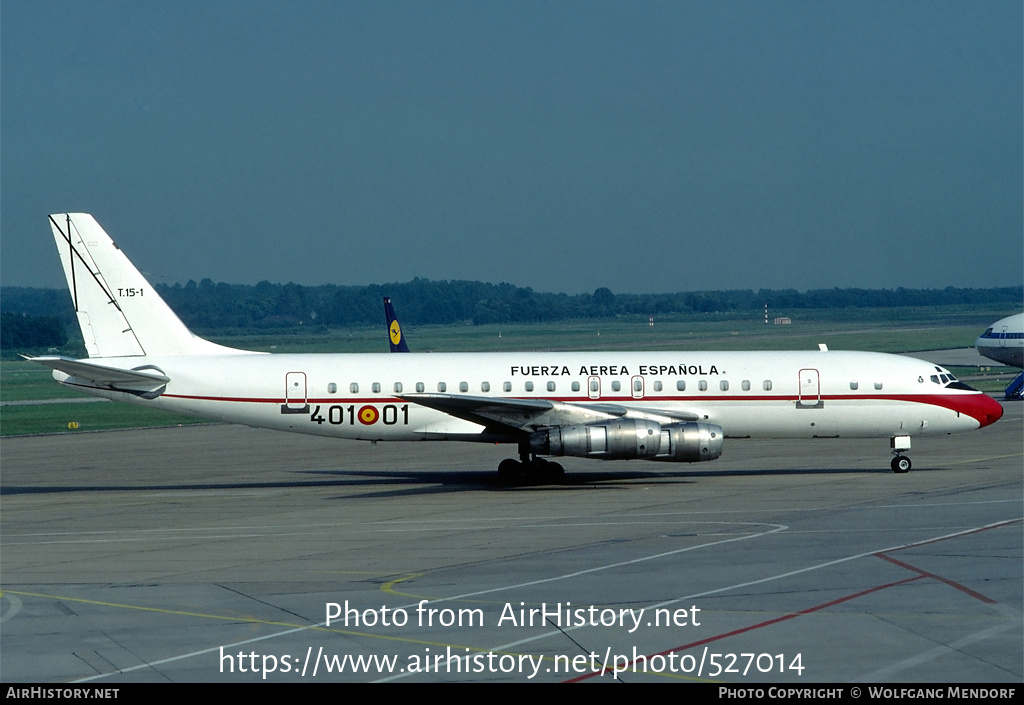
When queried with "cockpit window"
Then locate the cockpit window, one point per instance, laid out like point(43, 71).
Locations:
point(948, 380)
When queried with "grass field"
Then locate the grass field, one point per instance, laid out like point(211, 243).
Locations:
point(97, 416)
point(880, 330)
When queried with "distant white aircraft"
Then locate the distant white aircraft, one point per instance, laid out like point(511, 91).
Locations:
point(1003, 341)
point(668, 406)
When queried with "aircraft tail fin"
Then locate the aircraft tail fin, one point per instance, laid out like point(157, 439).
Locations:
point(119, 313)
point(395, 336)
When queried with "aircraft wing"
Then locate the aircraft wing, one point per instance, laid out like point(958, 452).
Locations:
point(533, 414)
point(142, 381)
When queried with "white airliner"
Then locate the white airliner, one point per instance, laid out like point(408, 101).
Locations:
point(668, 406)
point(1003, 341)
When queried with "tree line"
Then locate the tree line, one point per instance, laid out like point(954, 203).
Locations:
point(209, 306)
point(24, 332)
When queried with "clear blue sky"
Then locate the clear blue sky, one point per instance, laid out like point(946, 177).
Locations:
point(639, 146)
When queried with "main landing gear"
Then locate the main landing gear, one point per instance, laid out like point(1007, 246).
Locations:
point(900, 463)
point(529, 469)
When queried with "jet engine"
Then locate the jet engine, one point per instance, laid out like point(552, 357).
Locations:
point(627, 439)
point(690, 442)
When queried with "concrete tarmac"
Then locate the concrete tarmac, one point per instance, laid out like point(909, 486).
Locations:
point(215, 554)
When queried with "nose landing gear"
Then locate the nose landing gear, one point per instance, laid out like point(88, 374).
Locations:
point(900, 463)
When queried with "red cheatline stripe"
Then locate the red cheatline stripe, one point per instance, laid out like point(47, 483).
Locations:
point(949, 401)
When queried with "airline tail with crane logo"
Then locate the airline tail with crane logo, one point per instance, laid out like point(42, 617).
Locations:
point(395, 337)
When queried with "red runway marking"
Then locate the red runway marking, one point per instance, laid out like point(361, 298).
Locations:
point(951, 583)
point(920, 575)
point(752, 627)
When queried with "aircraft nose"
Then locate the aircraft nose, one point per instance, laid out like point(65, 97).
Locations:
point(988, 410)
point(979, 406)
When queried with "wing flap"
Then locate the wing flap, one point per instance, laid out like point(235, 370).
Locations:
point(640, 412)
point(528, 415)
point(515, 414)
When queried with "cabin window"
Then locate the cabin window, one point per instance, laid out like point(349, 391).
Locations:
point(485, 386)
point(529, 386)
point(376, 387)
point(354, 388)
point(616, 386)
point(702, 385)
point(638, 386)
point(442, 387)
point(420, 387)
point(575, 386)
point(507, 386)
point(724, 385)
point(398, 387)
point(681, 385)
point(595, 386)
point(657, 386)
point(767, 385)
point(332, 388)
point(878, 385)
point(463, 386)
point(854, 385)
point(551, 386)
point(746, 385)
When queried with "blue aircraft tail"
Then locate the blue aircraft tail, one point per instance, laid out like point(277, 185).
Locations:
point(394, 330)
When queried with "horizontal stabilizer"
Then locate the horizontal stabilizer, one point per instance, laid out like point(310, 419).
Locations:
point(148, 380)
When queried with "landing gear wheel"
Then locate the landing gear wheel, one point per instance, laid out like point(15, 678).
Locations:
point(554, 473)
point(510, 471)
point(543, 472)
point(534, 471)
point(900, 464)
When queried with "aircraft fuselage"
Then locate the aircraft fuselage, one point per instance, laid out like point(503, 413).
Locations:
point(748, 394)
